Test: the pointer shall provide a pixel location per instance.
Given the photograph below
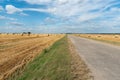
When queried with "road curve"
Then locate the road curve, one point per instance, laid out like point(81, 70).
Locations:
point(103, 59)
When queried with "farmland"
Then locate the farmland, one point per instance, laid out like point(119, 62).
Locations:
point(59, 62)
point(40, 57)
point(108, 38)
point(17, 50)
point(50, 56)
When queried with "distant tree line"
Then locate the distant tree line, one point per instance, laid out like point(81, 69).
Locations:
point(23, 33)
point(28, 33)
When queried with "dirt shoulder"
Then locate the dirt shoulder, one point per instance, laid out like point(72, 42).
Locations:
point(102, 59)
point(79, 69)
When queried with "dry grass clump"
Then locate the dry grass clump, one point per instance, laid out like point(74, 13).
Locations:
point(79, 69)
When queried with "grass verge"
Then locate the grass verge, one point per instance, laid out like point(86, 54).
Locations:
point(52, 64)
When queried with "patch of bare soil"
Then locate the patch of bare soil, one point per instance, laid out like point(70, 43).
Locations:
point(79, 69)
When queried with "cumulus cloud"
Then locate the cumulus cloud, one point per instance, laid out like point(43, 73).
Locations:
point(16, 24)
point(38, 10)
point(11, 29)
point(38, 1)
point(24, 14)
point(77, 12)
point(90, 16)
point(2, 17)
point(1, 8)
point(12, 9)
point(6, 18)
point(84, 9)
point(115, 9)
point(73, 10)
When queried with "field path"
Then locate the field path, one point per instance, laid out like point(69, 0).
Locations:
point(103, 59)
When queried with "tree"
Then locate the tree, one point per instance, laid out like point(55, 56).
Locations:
point(29, 33)
point(23, 33)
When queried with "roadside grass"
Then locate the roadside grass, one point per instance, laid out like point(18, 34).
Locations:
point(52, 64)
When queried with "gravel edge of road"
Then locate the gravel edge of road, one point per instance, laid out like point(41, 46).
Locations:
point(79, 69)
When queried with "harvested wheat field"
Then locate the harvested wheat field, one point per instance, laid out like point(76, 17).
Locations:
point(109, 38)
point(16, 50)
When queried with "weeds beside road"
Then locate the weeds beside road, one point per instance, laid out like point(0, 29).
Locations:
point(59, 62)
point(52, 64)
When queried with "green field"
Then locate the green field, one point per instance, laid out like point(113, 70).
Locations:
point(51, 64)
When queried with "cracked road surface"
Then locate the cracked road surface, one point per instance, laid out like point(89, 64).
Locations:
point(103, 59)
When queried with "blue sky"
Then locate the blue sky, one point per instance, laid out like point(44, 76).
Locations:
point(60, 16)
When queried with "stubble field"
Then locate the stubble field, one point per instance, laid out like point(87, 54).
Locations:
point(108, 38)
point(17, 50)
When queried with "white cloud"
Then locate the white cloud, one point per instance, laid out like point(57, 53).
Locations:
point(84, 9)
point(38, 10)
point(38, 1)
point(1, 8)
point(16, 24)
point(86, 17)
point(115, 9)
point(6, 18)
point(24, 14)
point(2, 17)
point(12, 9)
point(78, 11)
point(49, 20)
point(9, 29)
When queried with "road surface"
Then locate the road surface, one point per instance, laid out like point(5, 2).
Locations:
point(103, 59)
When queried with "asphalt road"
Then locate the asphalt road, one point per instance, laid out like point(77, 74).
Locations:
point(103, 59)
